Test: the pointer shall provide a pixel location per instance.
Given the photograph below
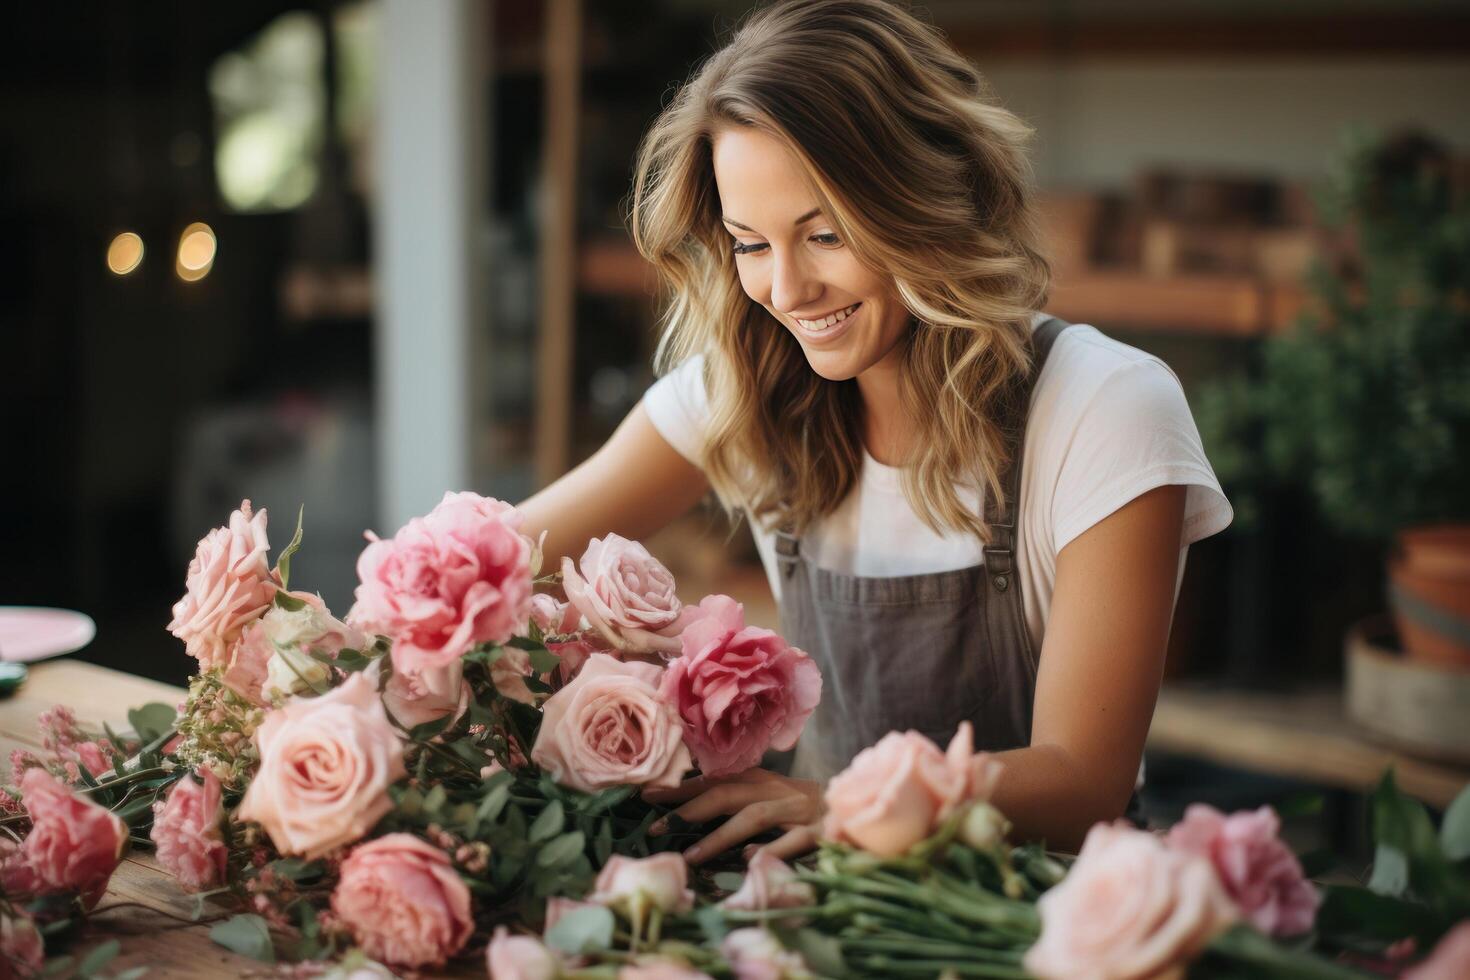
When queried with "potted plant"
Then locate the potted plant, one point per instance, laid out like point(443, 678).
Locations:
point(1367, 399)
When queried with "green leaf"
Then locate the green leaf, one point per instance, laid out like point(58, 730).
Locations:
point(434, 799)
point(493, 803)
point(536, 685)
point(1317, 863)
point(289, 602)
point(586, 930)
point(1454, 833)
point(549, 823)
point(152, 720)
point(523, 643)
point(296, 869)
point(543, 661)
point(605, 800)
point(283, 563)
point(426, 731)
point(1390, 871)
point(131, 974)
point(247, 935)
point(822, 953)
point(99, 957)
point(565, 848)
point(729, 881)
point(1299, 805)
point(711, 919)
point(602, 843)
point(57, 965)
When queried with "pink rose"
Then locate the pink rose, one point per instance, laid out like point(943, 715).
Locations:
point(247, 663)
point(626, 595)
point(633, 885)
point(755, 954)
point(229, 584)
point(187, 833)
point(511, 957)
point(446, 582)
point(608, 727)
point(274, 656)
point(1259, 872)
point(553, 616)
point(509, 673)
point(1130, 907)
point(739, 690)
point(1450, 959)
point(74, 844)
point(432, 693)
point(661, 969)
point(770, 883)
point(896, 793)
point(403, 901)
point(22, 954)
point(325, 767)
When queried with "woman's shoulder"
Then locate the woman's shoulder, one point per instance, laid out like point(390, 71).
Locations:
point(678, 406)
point(1086, 365)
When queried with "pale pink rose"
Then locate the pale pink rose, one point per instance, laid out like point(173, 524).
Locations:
point(896, 793)
point(16, 876)
point(553, 616)
point(608, 727)
point(1130, 907)
point(631, 885)
point(230, 583)
point(573, 656)
point(325, 767)
point(431, 694)
point(626, 595)
point(512, 957)
point(403, 901)
point(661, 969)
point(770, 883)
point(247, 663)
point(22, 953)
point(74, 844)
point(299, 638)
point(187, 833)
point(447, 582)
point(1258, 870)
point(755, 954)
point(739, 690)
point(1450, 959)
point(494, 768)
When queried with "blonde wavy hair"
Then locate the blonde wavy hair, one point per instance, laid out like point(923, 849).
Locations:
point(925, 177)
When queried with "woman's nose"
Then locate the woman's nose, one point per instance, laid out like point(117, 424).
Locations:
point(793, 287)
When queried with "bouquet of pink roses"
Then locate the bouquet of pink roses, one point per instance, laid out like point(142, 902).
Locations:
point(459, 747)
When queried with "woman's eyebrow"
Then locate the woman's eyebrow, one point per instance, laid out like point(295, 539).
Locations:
point(796, 224)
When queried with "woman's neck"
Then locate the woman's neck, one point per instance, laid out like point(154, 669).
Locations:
point(888, 432)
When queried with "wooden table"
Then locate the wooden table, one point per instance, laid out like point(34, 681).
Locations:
point(169, 949)
point(1305, 736)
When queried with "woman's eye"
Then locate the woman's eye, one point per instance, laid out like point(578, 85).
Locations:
point(827, 238)
point(741, 248)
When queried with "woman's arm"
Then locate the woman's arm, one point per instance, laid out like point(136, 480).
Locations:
point(1102, 661)
point(634, 485)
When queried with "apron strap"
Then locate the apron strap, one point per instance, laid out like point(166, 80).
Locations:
point(1000, 516)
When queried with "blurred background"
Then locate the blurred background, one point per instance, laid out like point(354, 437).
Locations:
point(346, 255)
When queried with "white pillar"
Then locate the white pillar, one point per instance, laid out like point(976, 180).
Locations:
point(430, 192)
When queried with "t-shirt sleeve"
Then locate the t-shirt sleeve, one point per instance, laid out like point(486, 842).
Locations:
point(678, 406)
point(1136, 433)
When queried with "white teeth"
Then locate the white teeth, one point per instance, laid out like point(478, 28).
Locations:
point(831, 320)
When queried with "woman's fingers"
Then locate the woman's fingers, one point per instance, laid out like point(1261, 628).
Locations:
point(794, 843)
point(752, 820)
point(720, 800)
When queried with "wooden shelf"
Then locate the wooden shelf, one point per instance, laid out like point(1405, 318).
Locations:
point(1305, 736)
point(1215, 305)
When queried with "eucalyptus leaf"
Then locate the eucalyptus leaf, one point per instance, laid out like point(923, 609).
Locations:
point(549, 823)
point(247, 935)
point(583, 930)
point(98, 957)
point(435, 798)
point(1454, 833)
point(543, 661)
point(426, 731)
point(494, 801)
point(561, 850)
point(152, 720)
point(729, 881)
point(1390, 871)
point(822, 953)
point(289, 602)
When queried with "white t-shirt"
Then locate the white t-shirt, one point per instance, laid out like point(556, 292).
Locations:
point(1108, 423)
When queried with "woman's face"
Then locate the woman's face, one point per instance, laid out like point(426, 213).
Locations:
point(846, 317)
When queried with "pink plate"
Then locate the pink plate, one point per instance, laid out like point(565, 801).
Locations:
point(34, 633)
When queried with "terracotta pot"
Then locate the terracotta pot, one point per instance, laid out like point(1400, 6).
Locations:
point(1429, 587)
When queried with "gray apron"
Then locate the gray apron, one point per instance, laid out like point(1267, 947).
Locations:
point(922, 652)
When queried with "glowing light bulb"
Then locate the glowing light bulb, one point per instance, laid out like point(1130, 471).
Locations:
point(125, 253)
point(197, 247)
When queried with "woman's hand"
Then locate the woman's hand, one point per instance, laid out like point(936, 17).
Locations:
point(755, 801)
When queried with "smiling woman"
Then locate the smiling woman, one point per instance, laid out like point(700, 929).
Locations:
point(968, 511)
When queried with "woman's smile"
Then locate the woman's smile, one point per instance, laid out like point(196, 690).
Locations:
point(828, 329)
